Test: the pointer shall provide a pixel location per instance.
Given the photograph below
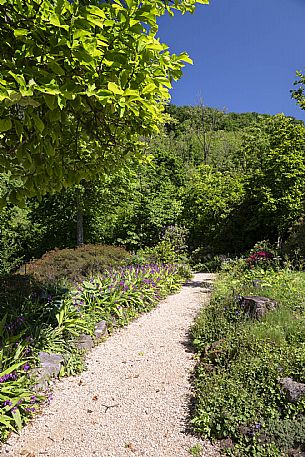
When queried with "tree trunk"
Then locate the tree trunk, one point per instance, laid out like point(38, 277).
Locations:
point(279, 244)
point(79, 225)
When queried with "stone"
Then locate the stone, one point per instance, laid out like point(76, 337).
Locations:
point(84, 342)
point(50, 366)
point(212, 351)
point(257, 307)
point(294, 390)
point(40, 382)
point(295, 453)
point(100, 330)
point(46, 358)
point(226, 443)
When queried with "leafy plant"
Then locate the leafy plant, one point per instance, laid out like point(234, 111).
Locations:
point(71, 264)
point(196, 450)
point(240, 362)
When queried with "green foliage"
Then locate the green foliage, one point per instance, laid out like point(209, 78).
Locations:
point(210, 197)
point(121, 294)
point(79, 83)
point(294, 246)
point(202, 262)
point(278, 185)
point(298, 94)
point(230, 179)
point(71, 264)
point(17, 403)
point(196, 450)
point(18, 233)
point(171, 248)
point(241, 361)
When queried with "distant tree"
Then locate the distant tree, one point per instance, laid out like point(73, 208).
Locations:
point(299, 93)
point(277, 184)
point(210, 197)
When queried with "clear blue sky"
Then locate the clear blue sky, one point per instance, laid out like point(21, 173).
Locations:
point(245, 54)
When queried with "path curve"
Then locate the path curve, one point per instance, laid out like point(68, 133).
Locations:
point(134, 398)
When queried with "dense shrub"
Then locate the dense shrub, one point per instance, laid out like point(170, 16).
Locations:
point(17, 236)
point(294, 246)
point(172, 247)
point(74, 263)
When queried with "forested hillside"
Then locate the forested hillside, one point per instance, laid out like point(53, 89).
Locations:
point(229, 179)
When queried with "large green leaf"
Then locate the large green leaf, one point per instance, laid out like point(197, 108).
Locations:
point(114, 88)
point(5, 125)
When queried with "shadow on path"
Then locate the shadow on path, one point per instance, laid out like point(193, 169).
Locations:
point(206, 284)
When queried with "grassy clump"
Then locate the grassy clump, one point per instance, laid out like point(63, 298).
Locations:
point(241, 361)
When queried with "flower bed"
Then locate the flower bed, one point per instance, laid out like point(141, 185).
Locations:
point(53, 323)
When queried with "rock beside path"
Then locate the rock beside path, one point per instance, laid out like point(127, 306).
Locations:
point(256, 306)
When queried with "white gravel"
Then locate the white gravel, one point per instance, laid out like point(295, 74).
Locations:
point(134, 399)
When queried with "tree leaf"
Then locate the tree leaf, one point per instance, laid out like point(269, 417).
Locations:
point(39, 125)
point(20, 32)
point(185, 58)
point(50, 100)
point(5, 125)
point(96, 11)
point(114, 88)
point(56, 68)
point(149, 88)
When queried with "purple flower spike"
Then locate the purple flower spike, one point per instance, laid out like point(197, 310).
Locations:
point(7, 377)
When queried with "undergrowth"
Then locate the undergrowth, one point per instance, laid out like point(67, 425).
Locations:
point(240, 400)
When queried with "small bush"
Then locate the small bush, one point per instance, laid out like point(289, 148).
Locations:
point(72, 264)
point(294, 246)
point(171, 248)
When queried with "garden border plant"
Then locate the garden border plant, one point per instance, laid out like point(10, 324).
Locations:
point(54, 323)
point(243, 364)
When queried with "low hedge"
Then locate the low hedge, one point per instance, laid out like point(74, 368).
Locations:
point(75, 263)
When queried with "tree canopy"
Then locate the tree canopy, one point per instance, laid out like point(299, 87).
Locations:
point(299, 93)
point(80, 83)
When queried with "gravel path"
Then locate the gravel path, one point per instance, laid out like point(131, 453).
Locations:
point(134, 398)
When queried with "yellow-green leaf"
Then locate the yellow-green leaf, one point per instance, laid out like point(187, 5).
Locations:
point(113, 87)
point(96, 11)
point(5, 124)
point(149, 88)
point(20, 32)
